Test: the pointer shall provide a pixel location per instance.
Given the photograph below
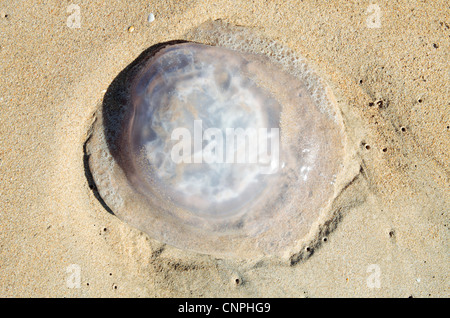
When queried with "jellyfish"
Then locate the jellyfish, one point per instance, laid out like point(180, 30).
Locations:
point(217, 146)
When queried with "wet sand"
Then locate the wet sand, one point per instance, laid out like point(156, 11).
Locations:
point(388, 67)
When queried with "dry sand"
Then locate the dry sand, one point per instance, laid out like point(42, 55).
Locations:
point(393, 79)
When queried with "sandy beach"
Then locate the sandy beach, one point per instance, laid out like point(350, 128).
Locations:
point(387, 63)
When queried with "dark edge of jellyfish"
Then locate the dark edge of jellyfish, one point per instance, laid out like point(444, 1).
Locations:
point(112, 106)
point(90, 178)
point(116, 114)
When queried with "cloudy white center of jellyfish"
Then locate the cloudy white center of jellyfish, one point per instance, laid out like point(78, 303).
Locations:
point(205, 131)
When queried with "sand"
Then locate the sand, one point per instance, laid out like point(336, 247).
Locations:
point(392, 77)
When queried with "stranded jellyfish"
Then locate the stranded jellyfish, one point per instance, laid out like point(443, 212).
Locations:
point(217, 146)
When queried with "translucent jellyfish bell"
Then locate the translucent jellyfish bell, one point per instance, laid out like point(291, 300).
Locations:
point(214, 150)
point(194, 109)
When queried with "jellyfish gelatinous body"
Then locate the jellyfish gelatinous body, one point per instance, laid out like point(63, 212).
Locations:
point(192, 112)
point(215, 150)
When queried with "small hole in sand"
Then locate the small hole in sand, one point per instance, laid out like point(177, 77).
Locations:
point(325, 239)
point(308, 249)
point(403, 129)
point(384, 149)
point(371, 104)
point(367, 147)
